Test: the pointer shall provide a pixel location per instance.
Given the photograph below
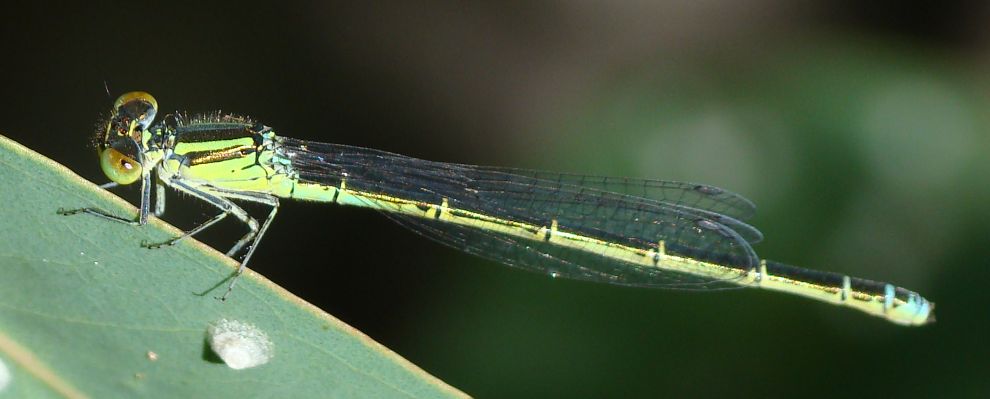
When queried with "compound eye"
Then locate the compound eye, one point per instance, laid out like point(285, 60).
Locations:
point(120, 168)
point(137, 106)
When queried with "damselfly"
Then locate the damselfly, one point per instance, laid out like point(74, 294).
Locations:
point(624, 231)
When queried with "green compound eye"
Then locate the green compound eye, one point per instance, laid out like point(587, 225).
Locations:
point(120, 168)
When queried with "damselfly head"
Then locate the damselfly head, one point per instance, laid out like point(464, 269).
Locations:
point(120, 146)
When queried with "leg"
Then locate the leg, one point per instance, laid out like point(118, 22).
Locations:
point(189, 233)
point(159, 197)
point(253, 230)
point(253, 227)
point(253, 236)
point(221, 199)
point(98, 213)
point(142, 214)
point(225, 205)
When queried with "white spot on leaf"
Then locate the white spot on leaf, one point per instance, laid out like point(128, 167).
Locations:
point(4, 376)
point(240, 345)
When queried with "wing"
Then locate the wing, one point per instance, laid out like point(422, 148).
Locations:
point(559, 262)
point(705, 201)
point(698, 196)
point(540, 199)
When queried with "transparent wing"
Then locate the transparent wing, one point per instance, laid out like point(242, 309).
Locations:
point(702, 200)
point(588, 210)
point(698, 196)
point(556, 261)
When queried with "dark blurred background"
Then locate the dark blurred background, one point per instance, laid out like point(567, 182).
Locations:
point(859, 129)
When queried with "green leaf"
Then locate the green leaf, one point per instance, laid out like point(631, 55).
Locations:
point(85, 311)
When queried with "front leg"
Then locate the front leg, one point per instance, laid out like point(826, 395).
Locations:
point(144, 209)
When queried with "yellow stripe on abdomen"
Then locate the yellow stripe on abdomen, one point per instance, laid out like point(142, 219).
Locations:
point(914, 311)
